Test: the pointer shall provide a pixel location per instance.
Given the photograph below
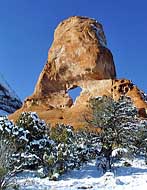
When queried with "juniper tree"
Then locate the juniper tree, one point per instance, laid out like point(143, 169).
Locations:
point(118, 123)
point(7, 149)
point(72, 149)
point(33, 139)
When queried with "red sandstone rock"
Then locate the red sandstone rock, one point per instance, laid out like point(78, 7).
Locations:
point(77, 57)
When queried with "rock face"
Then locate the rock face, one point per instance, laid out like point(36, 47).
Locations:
point(9, 101)
point(78, 57)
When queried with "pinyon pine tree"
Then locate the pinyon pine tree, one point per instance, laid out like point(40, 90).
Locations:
point(119, 125)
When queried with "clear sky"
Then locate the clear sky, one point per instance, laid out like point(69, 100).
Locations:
point(27, 27)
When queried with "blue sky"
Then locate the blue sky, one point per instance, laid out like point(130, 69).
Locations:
point(27, 27)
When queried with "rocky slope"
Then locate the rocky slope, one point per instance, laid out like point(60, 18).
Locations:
point(78, 57)
point(9, 101)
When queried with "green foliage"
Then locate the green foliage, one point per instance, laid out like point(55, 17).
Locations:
point(33, 132)
point(29, 138)
point(61, 133)
point(7, 169)
point(2, 172)
point(60, 149)
point(102, 109)
point(55, 150)
point(116, 119)
point(72, 149)
point(119, 124)
point(106, 111)
point(31, 122)
point(62, 156)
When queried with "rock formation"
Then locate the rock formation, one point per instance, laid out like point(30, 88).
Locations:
point(78, 57)
point(9, 101)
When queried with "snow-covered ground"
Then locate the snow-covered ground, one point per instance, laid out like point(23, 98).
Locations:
point(121, 178)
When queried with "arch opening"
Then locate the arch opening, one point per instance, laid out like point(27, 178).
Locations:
point(74, 93)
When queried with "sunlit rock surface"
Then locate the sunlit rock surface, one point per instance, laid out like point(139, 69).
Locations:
point(78, 57)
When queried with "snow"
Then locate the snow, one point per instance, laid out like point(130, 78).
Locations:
point(3, 113)
point(116, 151)
point(8, 130)
point(4, 83)
point(89, 177)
